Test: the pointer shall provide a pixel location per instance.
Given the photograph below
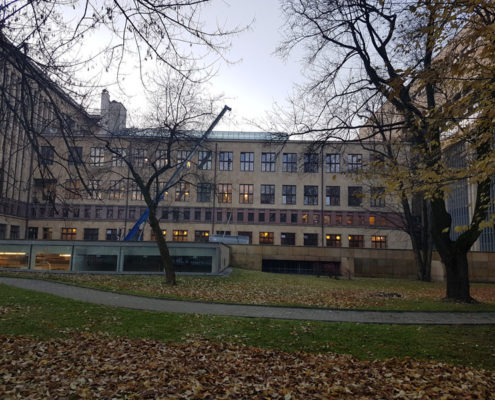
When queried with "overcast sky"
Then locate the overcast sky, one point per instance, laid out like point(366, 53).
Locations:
point(256, 79)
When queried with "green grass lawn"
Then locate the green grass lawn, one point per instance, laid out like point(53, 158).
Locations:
point(254, 287)
point(24, 312)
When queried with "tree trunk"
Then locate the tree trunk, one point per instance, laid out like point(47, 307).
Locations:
point(456, 267)
point(167, 264)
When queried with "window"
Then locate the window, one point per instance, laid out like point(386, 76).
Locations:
point(90, 233)
point(136, 193)
point(47, 233)
point(372, 220)
point(75, 155)
point(161, 158)
point(87, 212)
point(225, 160)
point(355, 196)
point(46, 155)
point(197, 215)
point(379, 242)
point(311, 162)
point(261, 216)
point(332, 197)
point(246, 194)
point(204, 160)
point(356, 241)
point(132, 213)
point(311, 239)
point(111, 234)
point(267, 162)
point(377, 197)
point(332, 163)
point(289, 194)
point(153, 236)
point(182, 191)
point(310, 195)
point(333, 240)
point(266, 238)
point(316, 219)
point(187, 215)
point(32, 232)
point(272, 217)
point(288, 239)
point(68, 234)
point(139, 157)
point(98, 212)
point(267, 194)
point(203, 192)
point(116, 190)
point(94, 189)
point(118, 157)
point(223, 233)
point(338, 219)
point(73, 189)
point(350, 219)
point(180, 236)
point(97, 156)
point(247, 161)
point(289, 162)
point(283, 218)
point(121, 213)
point(15, 231)
point(175, 215)
point(201, 236)
point(293, 218)
point(181, 158)
point(247, 234)
point(207, 215)
point(225, 193)
point(240, 216)
point(250, 217)
point(75, 212)
point(354, 162)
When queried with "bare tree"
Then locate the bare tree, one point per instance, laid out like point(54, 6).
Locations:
point(429, 67)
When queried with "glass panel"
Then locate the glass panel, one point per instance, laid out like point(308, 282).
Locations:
point(12, 256)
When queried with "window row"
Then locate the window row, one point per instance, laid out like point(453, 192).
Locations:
point(140, 157)
point(182, 235)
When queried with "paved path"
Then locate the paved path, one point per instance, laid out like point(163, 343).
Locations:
point(239, 310)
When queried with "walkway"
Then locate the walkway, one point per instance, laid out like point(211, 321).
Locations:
point(252, 311)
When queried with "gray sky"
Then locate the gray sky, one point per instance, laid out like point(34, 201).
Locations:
point(257, 77)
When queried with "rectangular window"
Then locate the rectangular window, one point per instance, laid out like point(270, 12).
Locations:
point(197, 215)
point(180, 236)
point(204, 160)
point(377, 197)
point(261, 217)
point(75, 155)
point(288, 239)
point(350, 219)
point(73, 189)
point(283, 218)
point(116, 191)
point(111, 234)
point(354, 162)
point(121, 213)
point(267, 162)
point(311, 239)
point(293, 218)
point(289, 194)
point(250, 217)
point(90, 233)
point(132, 213)
point(311, 162)
point(207, 215)
point(355, 196)
point(187, 215)
point(47, 155)
point(310, 195)
point(181, 158)
point(225, 160)
point(47, 233)
point(272, 217)
point(247, 161)
point(332, 197)
point(94, 189)
point(333, 240)
point(289, 162)
point(203, 192)
point(267, 194)
point(356, 241)
point(68, 234)
point(182, 192)
point(33, 232)
point(372, 220)
point(161, 158)
point(97, 156)
point(136, 193)
point(266, 238)
point(118, 157)
point(98, 212)
point(219, 216)
point(225, 193)
point(379, 242)
point(201, 236)
point(153, 236)
point(240, 216)
point(139, 157)
point(15, 232)
point(332, 163)
point(246, 194)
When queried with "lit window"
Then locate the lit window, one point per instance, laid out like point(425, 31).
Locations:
point(182, 157)
point(356, 240)
point(333, 240)
point(68, 234)
point(266, 238)
point(225, 193)
point(201, 236)
point(180, 236)
point(379, 242)
point(182, 191)
point(372, 220)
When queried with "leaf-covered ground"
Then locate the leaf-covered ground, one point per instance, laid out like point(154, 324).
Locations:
point(100, 367)
point(254, 287)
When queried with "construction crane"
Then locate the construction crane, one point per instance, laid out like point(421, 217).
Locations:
point(134, 231)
